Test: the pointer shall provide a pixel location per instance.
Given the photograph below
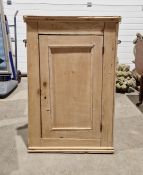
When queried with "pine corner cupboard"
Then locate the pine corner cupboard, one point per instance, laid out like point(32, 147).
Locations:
point(71, 76)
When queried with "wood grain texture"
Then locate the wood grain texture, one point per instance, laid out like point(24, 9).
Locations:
point(68, 27)
point(109, 59)
point(71, 83)
point(73, 18)
point(34, 122)
point(74, 110)
point(87, 150)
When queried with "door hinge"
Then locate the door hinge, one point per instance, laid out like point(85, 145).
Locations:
point(100, 127)
point(103, 50)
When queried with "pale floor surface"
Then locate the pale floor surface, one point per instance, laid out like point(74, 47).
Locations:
point(14, 159)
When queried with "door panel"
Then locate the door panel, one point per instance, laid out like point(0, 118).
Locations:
point(72, 92)
point(71, 74)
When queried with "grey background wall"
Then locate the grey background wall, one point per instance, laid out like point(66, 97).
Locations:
point(130, 10)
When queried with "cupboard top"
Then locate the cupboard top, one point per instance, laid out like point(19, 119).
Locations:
point(74, 18)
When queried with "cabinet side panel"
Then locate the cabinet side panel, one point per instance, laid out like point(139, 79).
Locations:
point(34, 131)
point(109, 59)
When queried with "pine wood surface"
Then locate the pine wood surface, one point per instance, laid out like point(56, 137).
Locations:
point(71, 75)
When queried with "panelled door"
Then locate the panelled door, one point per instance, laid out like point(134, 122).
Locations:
point(71, 86)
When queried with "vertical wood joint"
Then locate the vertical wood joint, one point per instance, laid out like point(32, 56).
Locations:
point(101, 126)
point(102, 50)
point(39, 92)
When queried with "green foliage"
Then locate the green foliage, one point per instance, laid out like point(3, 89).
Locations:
point(124, 68)
point(125, 81)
